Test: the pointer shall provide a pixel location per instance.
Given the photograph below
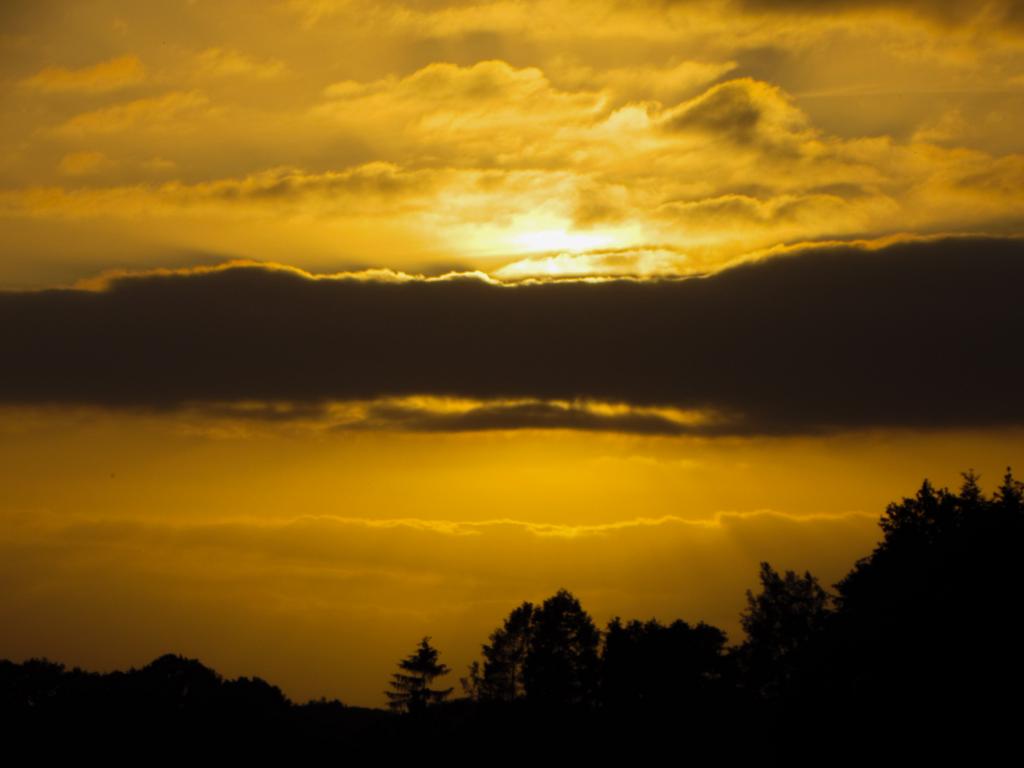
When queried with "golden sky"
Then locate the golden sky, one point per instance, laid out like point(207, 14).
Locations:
point(328, 324)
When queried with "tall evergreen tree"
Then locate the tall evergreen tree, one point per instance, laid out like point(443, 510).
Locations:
point(411, 691)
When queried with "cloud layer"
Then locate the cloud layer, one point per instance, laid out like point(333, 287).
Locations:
point(328, 603)
point(917, 334)
point(499, 134)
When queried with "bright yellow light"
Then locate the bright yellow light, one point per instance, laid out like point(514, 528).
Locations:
point(545, 240)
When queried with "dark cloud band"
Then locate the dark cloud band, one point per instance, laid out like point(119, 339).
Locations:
point(917, 334)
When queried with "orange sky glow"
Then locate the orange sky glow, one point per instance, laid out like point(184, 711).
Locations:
point(330, 324)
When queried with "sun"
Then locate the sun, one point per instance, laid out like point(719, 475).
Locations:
point(560, 240)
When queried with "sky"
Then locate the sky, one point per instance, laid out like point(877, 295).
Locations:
point(329, 324)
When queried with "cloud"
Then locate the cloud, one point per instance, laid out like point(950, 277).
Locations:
point(101, 587)
point(227, 62)
point(150, 113)
point(339, 556)
point(487, 114)
point(629, 262)
point(665, 84)
point(946, 11)
point(912, 334)
point(429, 414)
point(110, 75)
point(82, 163)
point(322, 536)
point(604, 19)
point(281, 185)
point(492, 163)
point(514, 416)
point(471, 193)
point(744, 111)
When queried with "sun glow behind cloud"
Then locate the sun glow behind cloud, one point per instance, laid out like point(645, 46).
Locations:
point(540, 146)
point(549, 240)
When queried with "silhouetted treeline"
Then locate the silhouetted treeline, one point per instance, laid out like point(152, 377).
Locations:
point(914, 656)
point(175, 704)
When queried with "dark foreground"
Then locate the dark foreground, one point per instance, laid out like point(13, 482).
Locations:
point(915, 656)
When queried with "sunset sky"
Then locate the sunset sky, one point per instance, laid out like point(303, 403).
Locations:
point(329, 324)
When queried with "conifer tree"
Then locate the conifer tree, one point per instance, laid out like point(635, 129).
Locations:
point(411, 691)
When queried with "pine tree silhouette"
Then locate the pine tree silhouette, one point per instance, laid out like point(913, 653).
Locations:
point(411, 688)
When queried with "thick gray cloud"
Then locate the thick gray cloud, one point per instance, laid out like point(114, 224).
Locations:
point(915, 334)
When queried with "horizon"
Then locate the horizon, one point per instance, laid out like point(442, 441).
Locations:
point(327, 325)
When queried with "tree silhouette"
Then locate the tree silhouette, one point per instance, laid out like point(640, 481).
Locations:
point(500, 678)
point(561, 666)
point(1009, 497)
point(646, 665)
point(912, 661)
point(411, 688)
point(926, 621)
point(929, 516)
point(781, 622)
